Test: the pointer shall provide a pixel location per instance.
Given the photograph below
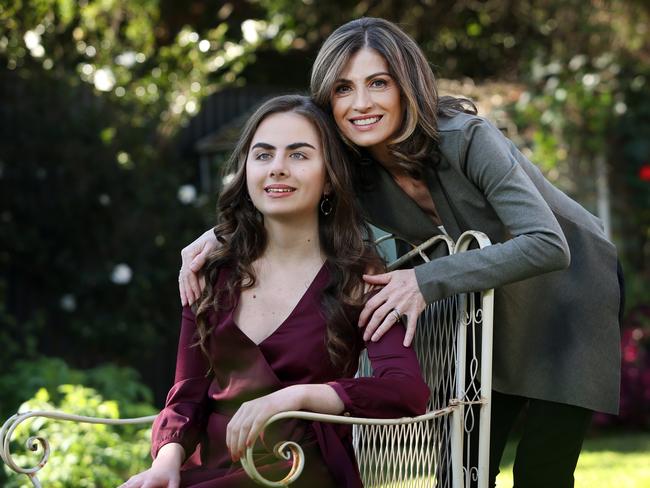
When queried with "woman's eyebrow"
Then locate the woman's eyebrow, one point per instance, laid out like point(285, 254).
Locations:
point(269, 147)
point(296, 145)
point(263, 145)
point(379, 73)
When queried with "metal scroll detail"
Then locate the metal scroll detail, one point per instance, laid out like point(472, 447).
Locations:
point(36, 442)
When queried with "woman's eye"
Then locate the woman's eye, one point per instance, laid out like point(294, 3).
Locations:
point(263, 156)
point(298, 155)
point(341, 89)
point(378, 83)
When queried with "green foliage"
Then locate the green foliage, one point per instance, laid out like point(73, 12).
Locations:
point(590, 102)
point(83, 455)
point(88, 183)
point(25, 378)
point(118, 47)
point(119, 384)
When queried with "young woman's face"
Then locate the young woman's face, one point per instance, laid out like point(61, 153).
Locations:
point(285, 168)
point(366, 101)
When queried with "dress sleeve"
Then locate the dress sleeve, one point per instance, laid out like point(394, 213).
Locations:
point(396, 388)
point(538, 245)
point(183, 418)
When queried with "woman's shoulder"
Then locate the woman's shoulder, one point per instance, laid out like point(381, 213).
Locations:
point(459, 122)
point(460, 131)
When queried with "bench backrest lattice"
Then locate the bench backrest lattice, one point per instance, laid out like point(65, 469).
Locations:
point(447, 447)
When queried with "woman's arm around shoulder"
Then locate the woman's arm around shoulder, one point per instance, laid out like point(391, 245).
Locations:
point(193, 257)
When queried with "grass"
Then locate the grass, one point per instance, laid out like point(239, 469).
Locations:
point(608, 461)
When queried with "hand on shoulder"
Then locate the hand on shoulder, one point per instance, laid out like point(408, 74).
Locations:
point(193, 257)
point(399, 298)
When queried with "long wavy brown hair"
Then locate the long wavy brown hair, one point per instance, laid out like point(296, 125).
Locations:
point(344, 237)
point(416, 143)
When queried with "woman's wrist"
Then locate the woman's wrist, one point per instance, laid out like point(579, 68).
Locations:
point(320, 398)
point(171, 455)
point(297, 397)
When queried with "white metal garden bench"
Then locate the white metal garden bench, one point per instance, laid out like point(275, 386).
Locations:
point(447, 447)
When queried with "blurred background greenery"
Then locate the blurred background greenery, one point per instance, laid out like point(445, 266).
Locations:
point(115, 116)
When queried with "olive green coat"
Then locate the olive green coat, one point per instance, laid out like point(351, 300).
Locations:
point(556, 330)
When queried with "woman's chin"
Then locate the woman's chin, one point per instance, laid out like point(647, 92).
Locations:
point(289, 215)
point(367, 140)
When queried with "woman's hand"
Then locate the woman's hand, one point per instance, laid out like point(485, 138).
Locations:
point(165, 471)
point(400, 292)
point(246, 424)
point(193, 258)
point(153, 478)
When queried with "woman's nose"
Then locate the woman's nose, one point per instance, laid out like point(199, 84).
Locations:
point(362, 100)
point(278, 166)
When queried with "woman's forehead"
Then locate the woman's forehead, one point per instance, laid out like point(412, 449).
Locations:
point(365, 62)
point(286, 128)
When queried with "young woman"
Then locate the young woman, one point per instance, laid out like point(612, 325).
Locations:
point(276, 329)
point(428, 165)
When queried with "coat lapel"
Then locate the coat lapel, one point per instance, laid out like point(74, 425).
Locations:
point(388, 207)
point(449, 221)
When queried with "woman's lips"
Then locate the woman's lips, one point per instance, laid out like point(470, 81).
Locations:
point(366, 123)
point(279, 191)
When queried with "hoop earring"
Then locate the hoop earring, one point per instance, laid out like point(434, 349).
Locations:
point(326, 206)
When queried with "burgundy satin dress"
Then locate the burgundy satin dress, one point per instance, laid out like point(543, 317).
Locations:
point(199, 406)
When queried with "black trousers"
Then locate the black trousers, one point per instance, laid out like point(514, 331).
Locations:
point(550, 444)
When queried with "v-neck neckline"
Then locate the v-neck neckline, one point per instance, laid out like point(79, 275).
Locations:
point(286, 319)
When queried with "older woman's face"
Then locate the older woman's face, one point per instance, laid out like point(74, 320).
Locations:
point(366, 102)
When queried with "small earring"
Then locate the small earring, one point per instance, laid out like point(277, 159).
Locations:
point(326, 206)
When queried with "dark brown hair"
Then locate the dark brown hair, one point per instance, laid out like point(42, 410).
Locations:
point(416, 143)
point(344, 236)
